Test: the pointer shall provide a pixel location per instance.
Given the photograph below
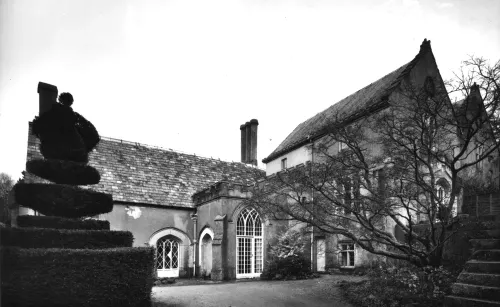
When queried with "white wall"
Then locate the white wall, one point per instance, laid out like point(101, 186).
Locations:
point(294, 157)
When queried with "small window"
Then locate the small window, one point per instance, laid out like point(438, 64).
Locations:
point(347, 255)
point(440, 193)
point(283, 164)
point(342, 146)
point(479, 154)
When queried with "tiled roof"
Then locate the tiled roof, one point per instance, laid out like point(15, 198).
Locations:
point(138, 173)
point(362, 102)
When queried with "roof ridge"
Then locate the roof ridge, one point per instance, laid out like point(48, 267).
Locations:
point(172, 150)
point(345, 104)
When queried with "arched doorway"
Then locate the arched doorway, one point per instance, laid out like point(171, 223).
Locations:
point(173, 255)
point(249, 244)
point(206, 238)
point(167, 256)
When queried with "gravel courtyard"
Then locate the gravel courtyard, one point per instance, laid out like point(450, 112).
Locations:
point(321, 291)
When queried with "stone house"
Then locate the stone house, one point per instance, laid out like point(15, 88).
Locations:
point(153, 192)
point(194, 209)
point(298, 150)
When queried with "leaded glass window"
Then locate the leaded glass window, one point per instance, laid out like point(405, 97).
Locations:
point(167, 254)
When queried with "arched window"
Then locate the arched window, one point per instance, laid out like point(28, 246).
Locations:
point(249, 244)
point(167, 254)
point(249, 223)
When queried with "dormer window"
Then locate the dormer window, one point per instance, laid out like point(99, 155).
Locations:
point(283, 164)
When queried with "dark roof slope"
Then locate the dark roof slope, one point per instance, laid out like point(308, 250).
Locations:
point(138, 173)
point(364, 101)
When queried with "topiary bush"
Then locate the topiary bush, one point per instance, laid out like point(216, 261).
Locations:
point(87, 131)
point(62, 200)
point(64, 238)
point(58, 135)
point(60, 223)
point(77, 278)
point(64, 172)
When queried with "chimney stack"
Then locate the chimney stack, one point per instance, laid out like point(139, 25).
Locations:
point(249, 142)
point(253, 140)
point(47, 95)
point(243, 143)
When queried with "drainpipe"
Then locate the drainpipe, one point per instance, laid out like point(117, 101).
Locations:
point(194, 217)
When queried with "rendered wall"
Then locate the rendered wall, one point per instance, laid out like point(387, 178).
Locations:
point(229, 206)
point(294, 157)
point(144, 221)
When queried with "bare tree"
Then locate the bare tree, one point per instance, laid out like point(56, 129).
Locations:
point(6, 184)
point(404, 164)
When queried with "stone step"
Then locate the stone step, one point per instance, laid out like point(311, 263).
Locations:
point(492, 233)
point(485, 243)
point(489, 217)
point(475, 291)
point(479, 279)
point(490, 225)
point(487, 255)
point(477, 266)
point(457, 301)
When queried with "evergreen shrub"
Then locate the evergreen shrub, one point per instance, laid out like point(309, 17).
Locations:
point(287, 258)
point(62, 200)
point(60, 223)
point(284, 268)
point(65, 238)
point(64, 172)
point(77, 278)
point(87, 131)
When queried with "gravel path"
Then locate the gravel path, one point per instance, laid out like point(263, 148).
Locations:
point(319, 292)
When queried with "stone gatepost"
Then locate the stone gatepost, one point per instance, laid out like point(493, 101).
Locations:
point(219, 249)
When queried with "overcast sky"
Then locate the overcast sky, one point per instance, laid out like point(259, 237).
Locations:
point(186, 74)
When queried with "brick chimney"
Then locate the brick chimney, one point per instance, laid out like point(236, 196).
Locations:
point(253, 140)
point(243, 143)
point(249, 142)
point(47, 95)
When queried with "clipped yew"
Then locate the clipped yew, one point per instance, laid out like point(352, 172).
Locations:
point(64, 172)
point(62, 200)
point(57, 222)
point(63, 259)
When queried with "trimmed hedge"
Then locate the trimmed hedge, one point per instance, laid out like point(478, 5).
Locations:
point(60, 223)
point(65, 238)
point(62, 200)
point(64, 172)
point(65, 150)
point(77, 278)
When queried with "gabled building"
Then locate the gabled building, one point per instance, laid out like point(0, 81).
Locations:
point(298, 148)
point(193, 210)
point(153, 191)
